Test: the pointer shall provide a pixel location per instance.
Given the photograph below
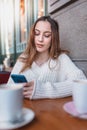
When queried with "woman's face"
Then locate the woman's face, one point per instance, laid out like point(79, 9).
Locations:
point(43, 36)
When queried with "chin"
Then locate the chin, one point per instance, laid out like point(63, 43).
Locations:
point(40, 50)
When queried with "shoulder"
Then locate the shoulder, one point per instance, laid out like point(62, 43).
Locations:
point(61, 59)
point(22, 56)
point(65, 60)
point(64, 57)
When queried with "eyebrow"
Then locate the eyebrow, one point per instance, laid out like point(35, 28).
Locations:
point(44, 32)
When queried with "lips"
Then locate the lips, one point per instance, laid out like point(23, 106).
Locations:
point(39, 45)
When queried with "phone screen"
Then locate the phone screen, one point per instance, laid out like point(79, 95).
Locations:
point(18, 78)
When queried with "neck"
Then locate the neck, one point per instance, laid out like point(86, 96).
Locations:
point(42, 58)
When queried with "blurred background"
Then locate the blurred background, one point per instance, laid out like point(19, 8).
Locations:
point(16, 19)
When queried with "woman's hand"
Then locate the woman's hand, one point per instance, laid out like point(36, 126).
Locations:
point(28, 89)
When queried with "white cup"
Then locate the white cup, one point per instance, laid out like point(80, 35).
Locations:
point(11, 102)
point(80, 95)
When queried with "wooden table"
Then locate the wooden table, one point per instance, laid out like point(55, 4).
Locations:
point(49, 115)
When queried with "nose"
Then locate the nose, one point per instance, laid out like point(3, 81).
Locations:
point(40, 38)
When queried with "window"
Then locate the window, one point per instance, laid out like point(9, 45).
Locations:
point(22, 21)
point(40, 8)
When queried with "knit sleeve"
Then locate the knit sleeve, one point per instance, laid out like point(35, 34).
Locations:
point(55, 90)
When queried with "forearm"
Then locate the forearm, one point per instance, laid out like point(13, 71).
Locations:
point(49, 90)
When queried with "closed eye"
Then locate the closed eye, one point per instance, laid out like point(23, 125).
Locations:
point(36, 33)
point(47, 35)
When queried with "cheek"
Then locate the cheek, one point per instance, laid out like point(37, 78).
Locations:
point(48, 43)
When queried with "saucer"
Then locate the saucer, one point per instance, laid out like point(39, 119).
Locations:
point(69, 107)
point(28, 116)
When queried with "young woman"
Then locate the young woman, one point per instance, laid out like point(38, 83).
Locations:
point(47, 68)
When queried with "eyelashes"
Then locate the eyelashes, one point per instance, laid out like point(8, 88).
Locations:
point(45, 35)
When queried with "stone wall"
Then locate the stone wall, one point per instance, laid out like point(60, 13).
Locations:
point(72, 18)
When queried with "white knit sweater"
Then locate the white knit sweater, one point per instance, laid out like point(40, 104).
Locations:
point(56, 82)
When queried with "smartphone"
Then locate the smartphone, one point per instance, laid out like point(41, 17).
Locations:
point(18, 78)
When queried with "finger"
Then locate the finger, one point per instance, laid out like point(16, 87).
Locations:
point(26, 93)
point(27, 97)
point(28, 88)
point(31, 83)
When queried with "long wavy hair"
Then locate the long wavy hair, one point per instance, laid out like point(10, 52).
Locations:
point(30, 53)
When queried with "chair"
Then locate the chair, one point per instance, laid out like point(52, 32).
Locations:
point(4, 76)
